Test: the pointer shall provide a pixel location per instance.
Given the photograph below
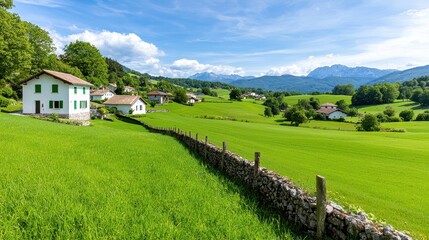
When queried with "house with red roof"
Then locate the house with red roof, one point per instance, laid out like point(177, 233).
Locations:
point(330, 111)
point(158, 96)
point(49, 92)
point(127, 104)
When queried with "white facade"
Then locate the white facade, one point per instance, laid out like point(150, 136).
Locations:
point(159, 98)
point(106, 95)
point(337, 115)
point(139, 107)
point(70, 101)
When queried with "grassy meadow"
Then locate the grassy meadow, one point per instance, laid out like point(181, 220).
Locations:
point(115, 180)
point(383, 173)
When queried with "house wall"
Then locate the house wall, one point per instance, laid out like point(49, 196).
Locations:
point(159, 99)
point(337, 115)
point(29, 98)
point(105, 96)
point(125, 109)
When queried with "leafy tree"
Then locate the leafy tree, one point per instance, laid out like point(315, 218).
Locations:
point(180, 96)
point(346, 89)
point(113, 67)
point(416, 95)
point(272, 102)
point(389, 92)
point(375, 96)
point(381, 117)
point(267, 112)
point(389, 111)
point(290, 111)
point(423, 116)
point(7, 92)
point(165, 86)
point(206, 91)
point(314, 102)
point(89, 60)
point(235, 94)
point(359, 98)
point(370, 123)
point(4, 102)
point(55, 64)
point(42, 47)
point(353, 112)
point(6, 4)
point(341, 104)
point(407, 115)
point(424, 98)
point(298, 117)
point(283, 106)
point(405, 92)
point(304, 104)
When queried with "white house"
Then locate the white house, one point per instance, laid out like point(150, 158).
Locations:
point(192, 98)
point(50, 92)
point(159, 96)
point(330, 111)
point(101, 94)
point(127, 104)
point(129, 89)
point(112, 86)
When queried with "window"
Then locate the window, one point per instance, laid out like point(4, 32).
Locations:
point(75, 104)
point(56, 104)
point(75, 90)
point(38, 88)
point(141, 107)
point(84, 90)
point(83, 104)
point(54, 88)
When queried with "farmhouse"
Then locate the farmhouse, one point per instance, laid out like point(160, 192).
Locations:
point(129, 89)
point(112, 87)
point(192, 98)
point(159, 96)
point(330, 111)
point(49, 92)
point(101, 94)
point(127, 104)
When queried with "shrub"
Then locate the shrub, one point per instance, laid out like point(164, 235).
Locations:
point(7, 92)
point(152, 103)
point(369, 123)
point(394, 119)
point(4, 102)
point(423, 117)
point(54, 117)
point(381, 117)
point(407, 115)
point(267, 112)
point(389, 111)
point(318, 116)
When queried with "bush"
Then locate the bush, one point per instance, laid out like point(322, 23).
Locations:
point(381, 117)
point(407, 115)
point(389, 111)
point(318, 116)
point(394, 119)
point(369, 123)
point(4, 102)
point(423, 117)
point(268, 112)
point(54, 117)
point(152, 103)
point(7, 92)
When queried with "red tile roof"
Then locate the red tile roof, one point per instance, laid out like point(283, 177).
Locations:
point(328, 105)
point(65, 77)
point(100, 92)
point(123, 100)
point(328, 111)
point(158, 93)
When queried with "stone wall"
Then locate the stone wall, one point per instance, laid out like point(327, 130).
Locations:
point(278, 192)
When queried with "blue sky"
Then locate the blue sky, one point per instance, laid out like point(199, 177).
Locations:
point(253, 37)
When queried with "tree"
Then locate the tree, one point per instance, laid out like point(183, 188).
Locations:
point(89, 60)
point(314, 102)
point(389, 92)
point(416, 95)
point(405, 92)
point(424, 98)
point(6, 4)
point(370, 123)
point(180, 96)
point(42, 47)
point(389, 111)
point(235, 94)
point(298, 117)
point(273, 103)
point(407, 115)
point(341, 104)
point(267, 112)
point(359, 98)
point(346, 89)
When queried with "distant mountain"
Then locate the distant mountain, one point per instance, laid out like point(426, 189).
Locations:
point(297, 84)
point(402, 76)
point(344, 71)
point(213, 77)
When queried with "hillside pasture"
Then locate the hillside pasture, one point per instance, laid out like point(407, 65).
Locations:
point(398, 106)
point(383, 173)
point(115, 180)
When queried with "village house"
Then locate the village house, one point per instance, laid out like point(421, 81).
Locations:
point(49, 92)
point(330, 111)
point(127, 104)
point(129, 89)
point(112, 87)
point(192, 98)
point(158, 96)
point(101, 94)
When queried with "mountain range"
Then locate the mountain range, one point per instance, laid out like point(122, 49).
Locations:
point(322, 79)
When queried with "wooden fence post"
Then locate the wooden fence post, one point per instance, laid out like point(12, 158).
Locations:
point(223, 154)
point(256, 168)
point(321, 206)
point(205, 147)
point(196, 142)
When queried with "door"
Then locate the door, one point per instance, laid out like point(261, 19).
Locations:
point(37, 107)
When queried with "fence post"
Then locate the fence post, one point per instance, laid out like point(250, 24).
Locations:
point(196, 142)
point(321, 206)
point(222, 161)
point(205, 147)
point(256, 168)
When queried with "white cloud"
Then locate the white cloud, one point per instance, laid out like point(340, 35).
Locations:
point(45, 3)
point(407, 49)
point(185, 67)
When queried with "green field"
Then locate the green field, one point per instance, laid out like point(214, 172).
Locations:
point(398, 105)
point(384, 173)
point(116, 181)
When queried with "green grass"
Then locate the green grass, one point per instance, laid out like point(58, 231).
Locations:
point(13, 107)
point(116, 181)
point(384, 173)
point(398, 106)
point(292, 100)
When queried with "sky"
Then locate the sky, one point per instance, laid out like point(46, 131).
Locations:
point(250, 37)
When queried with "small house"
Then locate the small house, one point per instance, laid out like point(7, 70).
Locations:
point(112, 87)
point(127, 104)
point(51, 92)
point(192, 98)
point(101, 94)
point(330, 111)
point(158, 96)
point(129, 89)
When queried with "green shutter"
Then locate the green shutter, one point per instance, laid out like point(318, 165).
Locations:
point(38, 88)
point(54, 88)
point(51, 104)
point(84, 90)
point(80, 104)
point(61, 104)
point(75, 105)
point(75, 90)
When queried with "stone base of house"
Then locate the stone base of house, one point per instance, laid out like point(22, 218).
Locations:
point(75, 116)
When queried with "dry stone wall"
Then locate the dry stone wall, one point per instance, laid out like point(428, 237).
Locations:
point(279, 193)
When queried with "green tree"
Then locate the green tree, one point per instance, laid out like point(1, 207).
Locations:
point(298, 117)
point(6, 4)
point(341, 104)
point(235, 94)
point(416, 95)
point(407, 115)
point(346, 89)
point(424, 98)
point(267, 112)
point(389, 111)
point(42, 47)
point(369, 123)
point(389, 92)
point(89, 60)
point(180, 96)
